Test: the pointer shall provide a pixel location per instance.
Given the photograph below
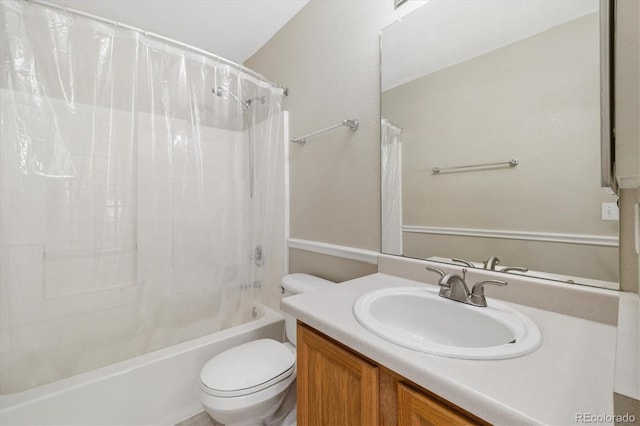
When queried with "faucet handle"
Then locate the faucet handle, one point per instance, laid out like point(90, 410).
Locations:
point(478, 288)
point(515, 269)
point(477, 292)
point(436, 270)
point(444, 274)
point(464, 262)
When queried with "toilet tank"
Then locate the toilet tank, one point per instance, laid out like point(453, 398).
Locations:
point(294, 284)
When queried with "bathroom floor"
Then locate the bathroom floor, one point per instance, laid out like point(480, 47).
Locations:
point(200, 419)
point(203, 419)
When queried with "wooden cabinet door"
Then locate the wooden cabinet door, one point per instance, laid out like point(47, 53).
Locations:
point(418, 409)
point(335, 386)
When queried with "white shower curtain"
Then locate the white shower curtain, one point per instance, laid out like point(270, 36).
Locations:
point(135, 185)
point(391, 191)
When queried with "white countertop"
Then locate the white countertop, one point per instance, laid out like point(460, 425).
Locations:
point(627, 375)
point(572, 372)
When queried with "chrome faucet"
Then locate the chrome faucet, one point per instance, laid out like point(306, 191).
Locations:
point(477, 297)
point(491, 263)
point(454, 287)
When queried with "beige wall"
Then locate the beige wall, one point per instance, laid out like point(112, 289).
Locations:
point(328, 56)
point(328, 267)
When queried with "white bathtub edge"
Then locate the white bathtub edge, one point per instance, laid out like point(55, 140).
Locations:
point(160, 387)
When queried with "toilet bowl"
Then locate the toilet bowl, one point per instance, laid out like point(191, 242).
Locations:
point(248, 383)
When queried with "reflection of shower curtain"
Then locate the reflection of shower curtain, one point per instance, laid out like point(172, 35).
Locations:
point(391, 193)
point(126, 223)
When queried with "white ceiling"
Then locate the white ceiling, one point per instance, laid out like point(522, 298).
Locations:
point(234, 29)
point(443, 33)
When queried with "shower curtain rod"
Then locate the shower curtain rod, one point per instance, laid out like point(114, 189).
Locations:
point(146, 33)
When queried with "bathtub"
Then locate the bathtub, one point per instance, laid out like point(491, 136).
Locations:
point(158, 388)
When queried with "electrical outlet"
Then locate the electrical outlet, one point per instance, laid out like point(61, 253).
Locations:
point(610, 211)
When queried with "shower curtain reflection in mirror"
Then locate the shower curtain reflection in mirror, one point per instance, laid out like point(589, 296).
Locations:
point(391, 191)
point(126, 221)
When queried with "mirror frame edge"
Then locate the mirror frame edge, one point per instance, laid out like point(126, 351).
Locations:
point(607, 96)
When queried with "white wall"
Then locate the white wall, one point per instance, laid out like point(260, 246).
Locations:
point(327, 56)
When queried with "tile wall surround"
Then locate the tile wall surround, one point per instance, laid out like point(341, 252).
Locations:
point(137, 308)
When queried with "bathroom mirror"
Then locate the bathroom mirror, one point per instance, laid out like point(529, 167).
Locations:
point(491, 138)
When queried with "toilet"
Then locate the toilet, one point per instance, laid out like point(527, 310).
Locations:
point(247, 384)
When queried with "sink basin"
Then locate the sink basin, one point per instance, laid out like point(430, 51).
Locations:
point(419, 319)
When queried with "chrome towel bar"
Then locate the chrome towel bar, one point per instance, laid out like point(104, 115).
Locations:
point(511, 163)
point(352, 124)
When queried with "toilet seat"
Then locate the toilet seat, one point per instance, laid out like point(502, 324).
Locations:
point(247, 369)
point(247, 391)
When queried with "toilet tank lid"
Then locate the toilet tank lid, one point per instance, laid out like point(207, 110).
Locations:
point(299, 283)
point(248, 365)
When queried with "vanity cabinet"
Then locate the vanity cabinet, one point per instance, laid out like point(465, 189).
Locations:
point(337, 386)
point(416, 408)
